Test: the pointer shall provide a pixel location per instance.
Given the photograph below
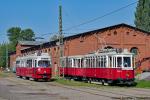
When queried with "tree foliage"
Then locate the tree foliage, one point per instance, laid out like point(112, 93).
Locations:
point(54, 37)
point(14, 34)
point(17, 34)
point(3, 54)
point(142, 15)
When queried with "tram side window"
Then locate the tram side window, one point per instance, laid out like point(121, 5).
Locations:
point(74, 62)
point(82, 63)
point(104, 61)
point(93, 62)
point(69, 63)
point(87, 63)
point(35, 63)
point(110, 62)
point(78, 63)
point(114, 62)
point(127, 61)
point(119, 61)
point(22, 64)
point(17, 63)
point(99, 62)
point(29, 63)
point(90, 62)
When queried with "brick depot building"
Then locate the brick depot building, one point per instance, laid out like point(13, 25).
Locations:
point(117, 36)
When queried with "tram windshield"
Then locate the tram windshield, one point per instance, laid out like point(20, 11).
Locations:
point(44, 63)
point(127, 62)
point(123, 62)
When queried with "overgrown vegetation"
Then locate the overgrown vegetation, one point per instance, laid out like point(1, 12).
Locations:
point(142, 15)
point(6, 74)
point(14, 34)
point(143, 84)
point(140, 83)
point(3, 54)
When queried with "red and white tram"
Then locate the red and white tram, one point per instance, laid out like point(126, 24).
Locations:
point(35, 66)
point(109, 66)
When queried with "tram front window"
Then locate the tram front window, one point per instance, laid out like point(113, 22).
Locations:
point(43, 63)
point(127, 61)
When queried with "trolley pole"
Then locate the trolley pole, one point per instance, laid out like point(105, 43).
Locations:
point(61, 43)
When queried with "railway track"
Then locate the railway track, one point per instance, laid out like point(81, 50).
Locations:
point(108, 94)
point(97, 92)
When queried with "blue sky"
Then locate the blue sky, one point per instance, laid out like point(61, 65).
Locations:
point(42, 15)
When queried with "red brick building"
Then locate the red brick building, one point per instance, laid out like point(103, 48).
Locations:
point(117, 36)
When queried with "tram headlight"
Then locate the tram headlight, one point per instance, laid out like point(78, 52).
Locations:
point(39, 69)
point(127, 75)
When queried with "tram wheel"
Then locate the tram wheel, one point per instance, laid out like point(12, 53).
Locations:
point(35, 79)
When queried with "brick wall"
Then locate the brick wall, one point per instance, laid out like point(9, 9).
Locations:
point(118, 37)
point(122, 37)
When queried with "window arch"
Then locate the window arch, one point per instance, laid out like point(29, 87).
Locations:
point(108, 47)
point(134, 50)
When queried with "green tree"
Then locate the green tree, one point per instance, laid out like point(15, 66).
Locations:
point(17, 34)
point(27, 35)
point(142, 15)
point(54, 37)
point(3, 54)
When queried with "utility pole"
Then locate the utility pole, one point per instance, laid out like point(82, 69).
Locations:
point(60, 38)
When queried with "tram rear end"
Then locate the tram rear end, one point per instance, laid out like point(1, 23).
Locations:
point(123, 71)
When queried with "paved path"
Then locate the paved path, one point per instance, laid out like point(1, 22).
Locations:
point(18, 89)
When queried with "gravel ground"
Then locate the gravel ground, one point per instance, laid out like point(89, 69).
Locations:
point(12, 88)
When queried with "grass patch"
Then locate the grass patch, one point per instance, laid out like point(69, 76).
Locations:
point(5, 74)
point(75, 83)
point(2, 74)
point(143, 84)
point(140, 84)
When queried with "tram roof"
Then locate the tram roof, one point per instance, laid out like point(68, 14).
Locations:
point(31, 42)
point(101, 54)
point(35, 56)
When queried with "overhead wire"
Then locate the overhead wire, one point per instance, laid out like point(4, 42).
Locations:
point(92, 20)
point(97, 18)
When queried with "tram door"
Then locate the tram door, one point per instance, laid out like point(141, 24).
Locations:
point(115, 67)
point(110, 66)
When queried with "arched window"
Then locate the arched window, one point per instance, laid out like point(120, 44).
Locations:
point(108, 47)
point(134, 50)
